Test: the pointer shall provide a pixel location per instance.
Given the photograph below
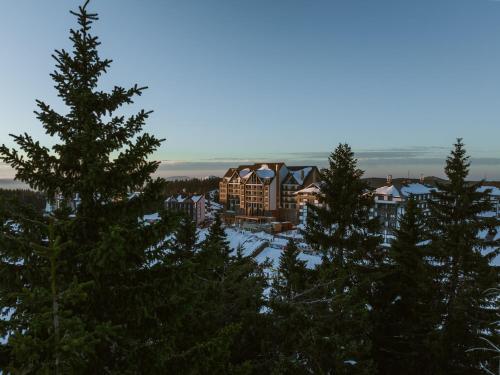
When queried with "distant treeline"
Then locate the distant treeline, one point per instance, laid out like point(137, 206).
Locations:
point(194, 185)
point(24, 196)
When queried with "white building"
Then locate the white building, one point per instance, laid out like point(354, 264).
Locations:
point(390, 203)
point(494, 194)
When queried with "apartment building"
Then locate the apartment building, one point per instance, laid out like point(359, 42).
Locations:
point(494, 197)
point(390, 202)
point(264, 191)
point(193, 205)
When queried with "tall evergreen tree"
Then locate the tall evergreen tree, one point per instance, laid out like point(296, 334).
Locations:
point(81, 288)
point(463, 256)
point(221, 332)
point(343, 231)
point(404, 312)
point(290, 317)
point(215, 250)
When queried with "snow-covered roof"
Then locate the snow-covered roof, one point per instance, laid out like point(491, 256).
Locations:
point(265, 172)
point(245, 173)
point(388, 190)
point(301, 174)
point(493, 190)
point(313, 188)
point(151, 217)
point(416, 189)
point(184, 197)
point(196, 198)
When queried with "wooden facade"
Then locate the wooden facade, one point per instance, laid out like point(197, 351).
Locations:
point(264, 190)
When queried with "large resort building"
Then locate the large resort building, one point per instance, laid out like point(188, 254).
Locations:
point(264, 192)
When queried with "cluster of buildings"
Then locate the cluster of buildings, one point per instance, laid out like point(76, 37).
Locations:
point(269, 192)
point(277, 194)
point(192, 204)
point(390, 202)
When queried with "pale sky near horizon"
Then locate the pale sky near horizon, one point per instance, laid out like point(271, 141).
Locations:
point(234, 81)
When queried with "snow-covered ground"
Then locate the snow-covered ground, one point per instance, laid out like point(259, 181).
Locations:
point(211, 208)
point(271, 246)
point(273, 254)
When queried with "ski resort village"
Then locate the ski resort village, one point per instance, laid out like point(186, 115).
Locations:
point(350, 220)
point(264, 205)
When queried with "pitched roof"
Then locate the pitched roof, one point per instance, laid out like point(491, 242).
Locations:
point(492, 190)
point(180, 198)
point(388, 190)
point(314, 188)
point(298, 174)
point(264, 171)
point(416, 189)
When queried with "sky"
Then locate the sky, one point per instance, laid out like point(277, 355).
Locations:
point(234, 81)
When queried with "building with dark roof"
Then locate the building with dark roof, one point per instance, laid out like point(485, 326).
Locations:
point(192, 204)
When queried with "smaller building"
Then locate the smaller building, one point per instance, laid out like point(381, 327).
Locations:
point(304, 198)
point(193, 205)
point(494, 197)
point(59, 201)
point(391, 199)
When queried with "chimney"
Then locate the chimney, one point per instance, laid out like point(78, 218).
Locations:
point(422, 178)
point(389, 179)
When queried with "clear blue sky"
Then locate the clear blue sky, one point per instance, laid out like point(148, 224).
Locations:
point(233, 80)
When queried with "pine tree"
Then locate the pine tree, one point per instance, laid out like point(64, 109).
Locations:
point(291, 276)
point(290, 317)
point(185, 240)
point(82, 288)
point(462, 257)
point(344, 233)
point(403, 312)
point(215, 250)
point(221, 330)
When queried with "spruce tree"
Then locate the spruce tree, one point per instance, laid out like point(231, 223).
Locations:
point(463, 262)
point(289, 312)
point(344, 232)
point(221, 330)
point(215, 250)
point(404, 316)
point(185, 240)
point(82, 286)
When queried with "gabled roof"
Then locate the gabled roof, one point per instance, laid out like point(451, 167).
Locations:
point(416, 189)
point(314, 188)
point(264, 171)
point(492, 190)
point(297, 175)
point(184, 198)
point(388, 190)
point(229, 173)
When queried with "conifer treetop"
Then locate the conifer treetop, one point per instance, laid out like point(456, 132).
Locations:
point(96, 144)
